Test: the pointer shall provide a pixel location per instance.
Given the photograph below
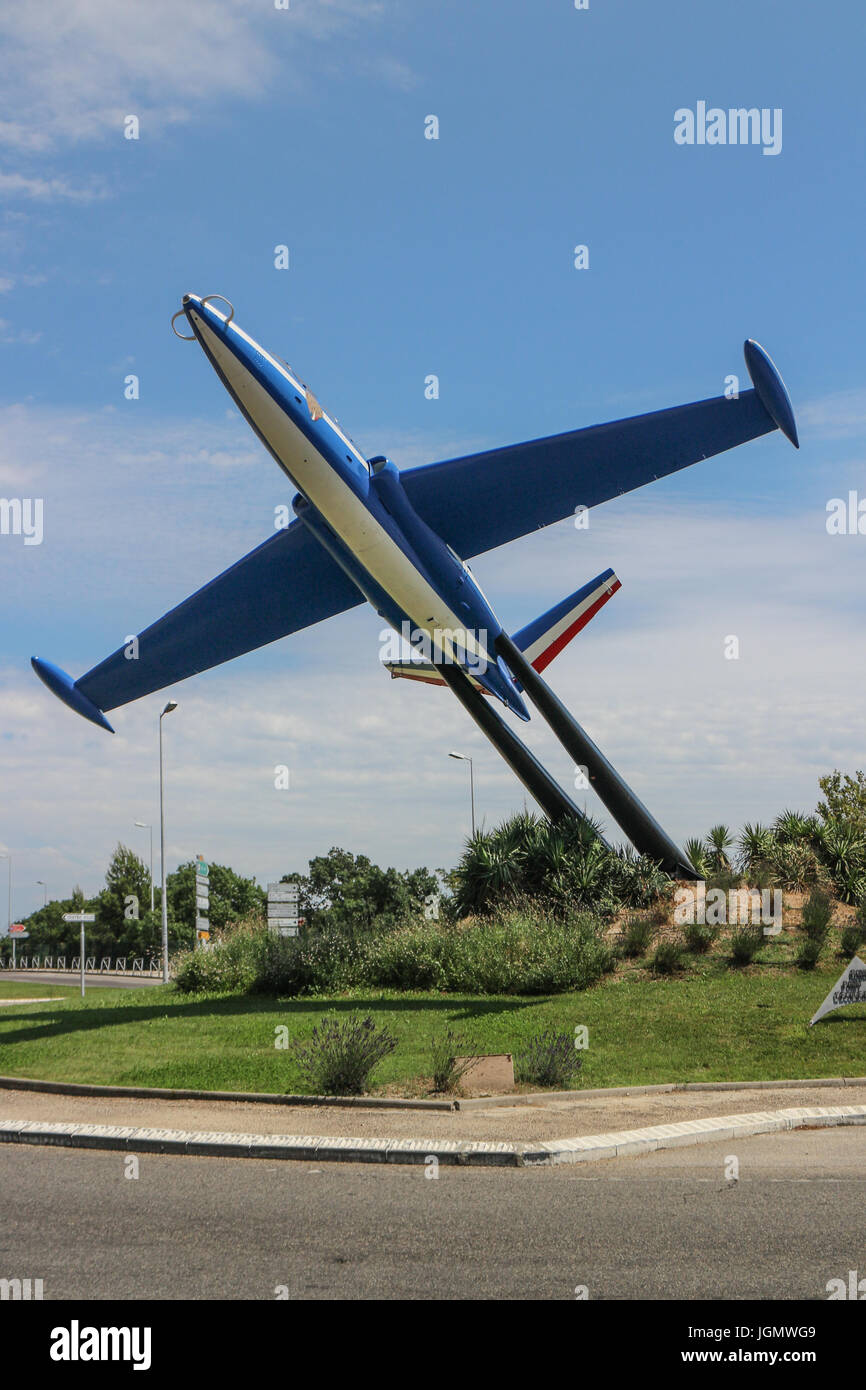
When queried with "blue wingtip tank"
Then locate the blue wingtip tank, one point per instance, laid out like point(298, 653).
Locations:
point(771, 389)
point(64, 687)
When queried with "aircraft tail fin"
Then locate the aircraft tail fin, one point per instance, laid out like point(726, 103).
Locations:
point(542, 639)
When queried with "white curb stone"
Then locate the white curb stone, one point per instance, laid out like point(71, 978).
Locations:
point(584, 1148)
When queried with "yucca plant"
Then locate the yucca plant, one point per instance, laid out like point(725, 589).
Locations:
point(842, 847)
point(795, 864)
point(793, 826)
point(755, 843)
point(719, 841)
point(696, 853)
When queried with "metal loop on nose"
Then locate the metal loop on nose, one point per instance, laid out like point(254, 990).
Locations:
point(208, 297)
point(181, 313)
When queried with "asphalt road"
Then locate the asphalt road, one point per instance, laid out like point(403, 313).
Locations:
point(68, 977)
point(665, 1226)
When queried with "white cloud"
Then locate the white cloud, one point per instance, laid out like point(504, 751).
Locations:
point(73, 69)
point(139, 514)
point(49, 190)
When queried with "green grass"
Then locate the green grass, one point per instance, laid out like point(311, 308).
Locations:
point(710, 1024)
point(11, 989)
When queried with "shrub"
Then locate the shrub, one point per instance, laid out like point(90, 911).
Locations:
point(817, 913)
point(668, 958)
point(794, 864)
point(549, 1059)
point(340, 1054)
point(518, 952)
point(746, 942)
point(852, 940)
point(696, 853)
point(637, 936)
point(232, 964)
point(698, 937)
point(810, 952)
point(446, 1070)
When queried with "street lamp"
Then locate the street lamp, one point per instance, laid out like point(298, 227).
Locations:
point(172, 705)
point(142, 825)
point(9, 857)
point(463, 758)
point(43, 885)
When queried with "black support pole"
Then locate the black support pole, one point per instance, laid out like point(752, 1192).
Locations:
point(537, 781)
point(627, 809)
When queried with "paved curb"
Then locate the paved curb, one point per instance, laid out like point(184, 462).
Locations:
point(663, 1088)
point(589, 1147)
point(83, 1088)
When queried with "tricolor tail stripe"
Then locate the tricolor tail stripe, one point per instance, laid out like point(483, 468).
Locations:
point(543, 638)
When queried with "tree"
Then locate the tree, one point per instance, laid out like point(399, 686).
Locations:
point(231, 896)
point(350, 894)
point(844, 798)
point(126, 895)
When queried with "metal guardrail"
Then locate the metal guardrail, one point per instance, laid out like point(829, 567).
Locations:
point(123, 965)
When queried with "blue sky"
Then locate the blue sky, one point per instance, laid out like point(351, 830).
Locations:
point(261, 127)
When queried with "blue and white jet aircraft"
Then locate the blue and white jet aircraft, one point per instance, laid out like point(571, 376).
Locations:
point(363, 529)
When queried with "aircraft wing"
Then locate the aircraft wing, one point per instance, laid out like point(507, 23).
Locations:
point(483, 500)
point(286, 584)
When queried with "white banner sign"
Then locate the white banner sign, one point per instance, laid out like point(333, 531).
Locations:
point(283, 892)
point(849, 989)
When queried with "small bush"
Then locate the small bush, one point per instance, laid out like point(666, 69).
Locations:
point(444, 1051)
point(549, 1059)
point(746, 942)
point(698, 937)
point(637, 937)
point(810, 952)
point(852, 940)
point(817, 913)
point(668, 958)
point(340, 1054)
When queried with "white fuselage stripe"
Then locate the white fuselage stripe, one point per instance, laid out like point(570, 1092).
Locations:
point(345, 512)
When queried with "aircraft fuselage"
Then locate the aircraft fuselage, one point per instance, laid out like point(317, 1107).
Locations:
point(357, 509)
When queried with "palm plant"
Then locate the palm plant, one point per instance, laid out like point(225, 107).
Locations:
point(791, 827)
point(755, 845)
point(719, 841)
point(696, 853)
point(842, 847)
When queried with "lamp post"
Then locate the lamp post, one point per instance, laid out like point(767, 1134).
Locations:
point(44, 886)
point(9, 919)
point(142, 825)
point(463, 758)
point(172, 705)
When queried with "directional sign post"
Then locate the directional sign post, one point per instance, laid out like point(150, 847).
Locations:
point(81, 917)
point(202, 901)
point(283, 916)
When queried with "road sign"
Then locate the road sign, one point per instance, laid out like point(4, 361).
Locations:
point(283, 892)
point(17, 930)
point(80, 917)
point(202, 868)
